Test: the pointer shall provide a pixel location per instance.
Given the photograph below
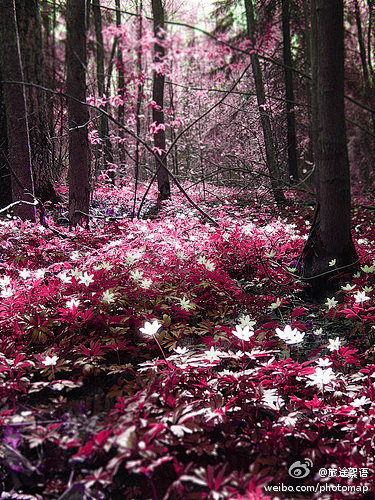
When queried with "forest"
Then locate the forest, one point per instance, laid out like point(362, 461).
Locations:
point(187, 261)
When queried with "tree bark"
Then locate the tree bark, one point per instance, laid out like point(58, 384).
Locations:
point(289, 94)
point(272, 165)
point(330, 237)
point(369, 84)
point(158, 97)
point(30, 36)
point(139, 95)
point(5, 179)
point(78, 116)
point(100, 77)
point(16, 113)
point(121, 84)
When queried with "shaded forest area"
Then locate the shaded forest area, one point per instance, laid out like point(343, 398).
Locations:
point(186, 263)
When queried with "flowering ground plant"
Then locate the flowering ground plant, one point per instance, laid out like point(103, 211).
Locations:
point(171, 358)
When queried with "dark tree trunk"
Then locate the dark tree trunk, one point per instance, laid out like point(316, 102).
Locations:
point(289, 94)
point(272, 165)
point(49, 51)
point(121, 84)
point(100, 77)
point(158, 97)
point(5, 179)
point(16, 114)
point(78, 116)
point(306, 16)
point(368, 84)
point(330, 237)
point(30, 36)
point(139, 97)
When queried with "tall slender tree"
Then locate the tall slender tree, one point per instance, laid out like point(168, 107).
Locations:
point(121, 82)
point(78, 116)
point(289, 93)
point(100, 78)
point(158, 98)
point(5, 179)
point(261, 100)
point(30, 35)
point(16, 112)
point(330, 237)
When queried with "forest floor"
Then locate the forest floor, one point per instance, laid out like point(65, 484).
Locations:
point(164, 357)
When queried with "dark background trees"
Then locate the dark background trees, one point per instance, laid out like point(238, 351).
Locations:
point(147, 76)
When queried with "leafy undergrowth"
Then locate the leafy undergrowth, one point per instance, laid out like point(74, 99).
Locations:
point(168, 358)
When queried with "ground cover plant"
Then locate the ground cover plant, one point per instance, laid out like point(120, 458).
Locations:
point(167, 357)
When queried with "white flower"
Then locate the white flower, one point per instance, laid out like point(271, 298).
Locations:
point(289, 421)
point(323, 362)
point(146, 283)
point(64, 277)
point(181, 350)
point(24, 274)
point(246, 321)
point(8, 292)
point(287, 333)
point(201, 260)
point(212, 355)
point(334, 345)
point(243, 333)
point(72, 303)
point(75, 255)
point(276, 304)
point(136, 275)
point(76, 272)
point(185, 304)
point(86, 279)
point(5, 282)
point(295, 338)
point(50, 360)
point(272, 399)
point(103, 265)
point(209, 265)
point(368, 269)
point(322, 377)
point(358, 402)
point(318, 332)
point(348, 287)
point(332, 262)
point(115, 243)
point(150, 328)
point(331, 303)
point(108, 297)
point(39, 274)
point(360, 297)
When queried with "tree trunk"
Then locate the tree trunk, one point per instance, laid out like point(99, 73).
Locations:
point(306, 16)
point(368, 84)
point(5, 179)
point(16, 114)
point(265, 119)
point(121, 85)
point(158, 97)
point(330, 237)
point(139, 97)
point(100, 77)
point(30, 36)
point(289, 94)
point(78, 116)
